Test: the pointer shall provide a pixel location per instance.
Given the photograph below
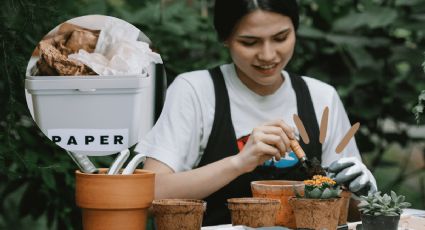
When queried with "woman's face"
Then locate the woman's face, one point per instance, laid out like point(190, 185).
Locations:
point(261, 45)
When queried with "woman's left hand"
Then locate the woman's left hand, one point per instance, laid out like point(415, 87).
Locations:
point(351, 172)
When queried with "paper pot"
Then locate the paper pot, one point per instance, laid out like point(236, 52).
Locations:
point(114, 201)
point(253, 212)
point(316, 213)
point(345, 201)
point(178, 214)
point(282, 190)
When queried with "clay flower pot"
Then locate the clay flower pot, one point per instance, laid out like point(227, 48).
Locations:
point(253, 212)
point(114, 201)
point(316, 213)
point(178, 214)
point(282, 190)
point(345, 201)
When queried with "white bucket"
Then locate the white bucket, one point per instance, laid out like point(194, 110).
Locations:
point(92, 115)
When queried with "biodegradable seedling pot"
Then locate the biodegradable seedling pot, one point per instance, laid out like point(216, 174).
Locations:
point(253, 212)
point(178, 214)
point(316, 213)
point(114, 201)
point(370, 222)
point(282, 190)
point(345, 201)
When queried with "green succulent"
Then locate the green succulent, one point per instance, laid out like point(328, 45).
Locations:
point(320, 188)
point(323, 192)
point(376, 204)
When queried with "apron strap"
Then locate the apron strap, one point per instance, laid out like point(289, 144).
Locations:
point(308, 117)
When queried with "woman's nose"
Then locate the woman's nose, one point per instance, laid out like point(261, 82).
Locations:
point(266, 53)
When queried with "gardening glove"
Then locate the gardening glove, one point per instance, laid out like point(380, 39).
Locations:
point(352, 173)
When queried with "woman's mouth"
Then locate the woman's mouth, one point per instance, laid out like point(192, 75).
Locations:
point(266, 69)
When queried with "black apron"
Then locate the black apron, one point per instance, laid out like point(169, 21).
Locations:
point(222, 143)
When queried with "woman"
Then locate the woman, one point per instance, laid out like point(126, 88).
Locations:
point(220, 128)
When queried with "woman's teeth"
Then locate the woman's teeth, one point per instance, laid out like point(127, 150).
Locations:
point(267, 66)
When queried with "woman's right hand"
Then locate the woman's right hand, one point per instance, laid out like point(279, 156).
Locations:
point(271, 139)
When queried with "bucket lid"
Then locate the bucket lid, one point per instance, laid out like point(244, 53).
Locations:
point(86, 82)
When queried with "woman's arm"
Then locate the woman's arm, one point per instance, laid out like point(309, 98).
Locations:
point(194, 184)
point(266, 141)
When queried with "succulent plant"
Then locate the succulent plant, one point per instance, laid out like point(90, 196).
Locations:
point(376, 204)
point(320, 187)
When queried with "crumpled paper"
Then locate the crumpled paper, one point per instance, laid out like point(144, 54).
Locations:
point(55, 48)
point(118, 52)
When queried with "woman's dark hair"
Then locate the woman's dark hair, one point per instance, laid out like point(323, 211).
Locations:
point(227, 13)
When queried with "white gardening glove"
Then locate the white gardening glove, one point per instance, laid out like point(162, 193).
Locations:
point(352, 173)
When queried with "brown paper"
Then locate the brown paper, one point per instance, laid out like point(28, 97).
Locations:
point(54, 51)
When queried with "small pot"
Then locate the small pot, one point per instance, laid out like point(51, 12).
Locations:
point(316, 213)
point(370, 222)
point(282, 190)
point(114, 201)
point(253, 212)
point(177, 214)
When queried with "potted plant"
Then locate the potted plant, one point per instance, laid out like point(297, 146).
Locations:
point(319, 207)
point(381, 211)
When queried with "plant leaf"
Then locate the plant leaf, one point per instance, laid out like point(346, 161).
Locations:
point(316, 193)
point(326, 194)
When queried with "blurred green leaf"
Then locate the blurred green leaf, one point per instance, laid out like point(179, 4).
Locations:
point(360, 56)
point(48, 179)
point(339, 39)
point(407, 2)
point(310, 32)
point(374, 17)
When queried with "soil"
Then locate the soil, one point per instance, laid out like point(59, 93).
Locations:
point(314, 168)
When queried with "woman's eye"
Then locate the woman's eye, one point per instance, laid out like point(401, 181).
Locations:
point(248, 43)
point(280, 38)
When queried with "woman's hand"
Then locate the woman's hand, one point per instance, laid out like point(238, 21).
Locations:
point(351, 172)
point(268, 140)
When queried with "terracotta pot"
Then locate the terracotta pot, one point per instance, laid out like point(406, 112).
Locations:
point(316, 213)
point(282, 190)
point(345, 201)
point(253, 212)
point(178, 214)
point(114, 201)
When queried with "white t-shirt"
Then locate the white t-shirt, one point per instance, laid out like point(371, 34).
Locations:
point(181, 133)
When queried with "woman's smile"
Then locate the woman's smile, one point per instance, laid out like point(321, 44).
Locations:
point(268, 69)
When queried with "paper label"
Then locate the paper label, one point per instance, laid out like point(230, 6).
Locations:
point(90, 139)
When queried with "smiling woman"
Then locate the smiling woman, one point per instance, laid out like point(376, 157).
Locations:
point(222, 128)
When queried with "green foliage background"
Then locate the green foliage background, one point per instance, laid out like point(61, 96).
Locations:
point(370, 50)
